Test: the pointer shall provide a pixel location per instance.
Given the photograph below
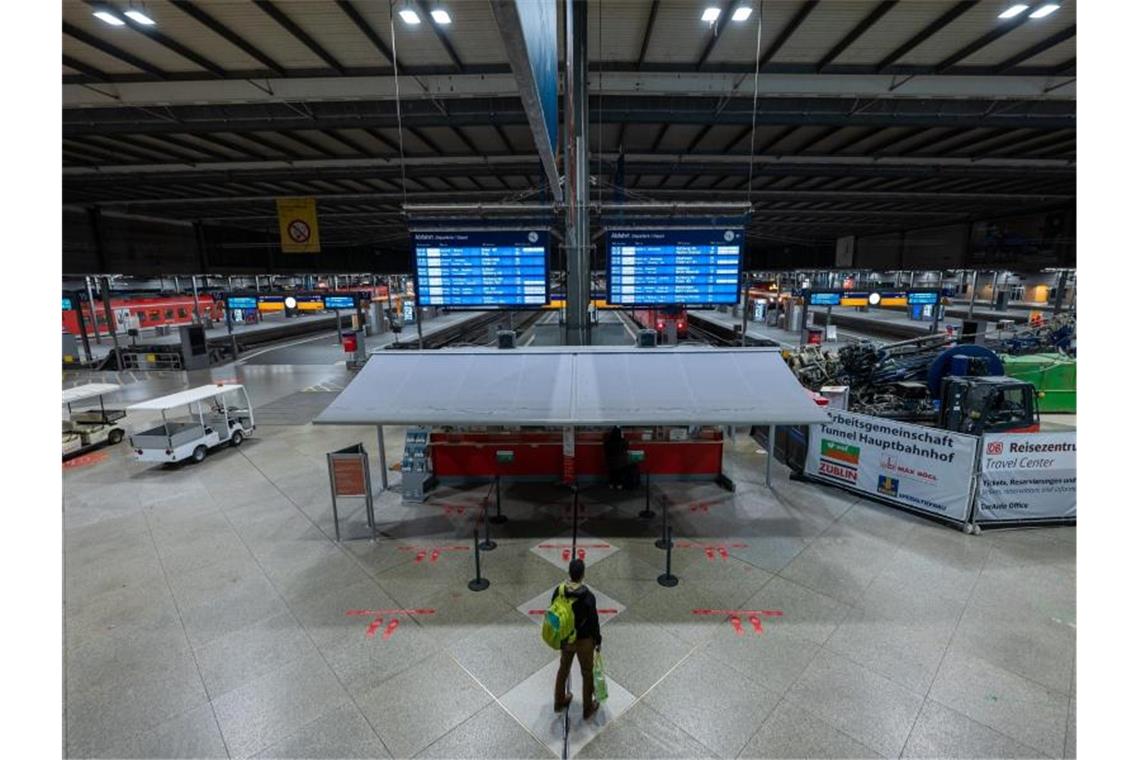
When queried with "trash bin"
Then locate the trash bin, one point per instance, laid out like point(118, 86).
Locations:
point(815, 336)
point(349, 342)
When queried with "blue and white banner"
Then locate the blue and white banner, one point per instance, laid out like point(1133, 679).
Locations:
point(1027, 476)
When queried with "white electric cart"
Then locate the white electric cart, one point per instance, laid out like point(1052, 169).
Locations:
point(213, 415)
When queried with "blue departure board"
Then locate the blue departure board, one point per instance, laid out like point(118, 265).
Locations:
point(672, 266)
point(241, 302)
point(825, 299)
point(482, 269)
point(340, 302)
point(921, 297)
point(67, 304)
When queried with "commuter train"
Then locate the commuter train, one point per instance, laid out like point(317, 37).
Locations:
point(145, 311)
point(662, 317)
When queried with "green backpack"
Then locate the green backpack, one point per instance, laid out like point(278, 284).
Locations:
point(558, 623)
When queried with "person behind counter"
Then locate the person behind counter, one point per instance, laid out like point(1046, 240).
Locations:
point(622, 473)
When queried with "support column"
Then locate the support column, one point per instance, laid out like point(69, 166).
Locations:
point(383, 458)
point(771, 455)
point(106, 287)
point(1059, 296)
point(91, 306)
point(194, 287)
point(973, 295)
point(577, 178)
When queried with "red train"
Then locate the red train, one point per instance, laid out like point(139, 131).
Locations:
point(661, 318)
point(145, 311)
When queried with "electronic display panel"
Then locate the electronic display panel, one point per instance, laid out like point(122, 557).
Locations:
point(241, 302)
point(67, 304)
point(825, 299)
point(493, 269)
point(664, 267)
point(922, 297)
point(340, 302)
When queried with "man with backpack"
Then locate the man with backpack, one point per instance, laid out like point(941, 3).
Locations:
point(572, 624)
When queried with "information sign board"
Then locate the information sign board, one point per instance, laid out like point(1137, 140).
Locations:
point(825, 299)
point(506, 269)
point(340, 302)
point(241, 302)
point(1027, 476)
point(664, 267)
point(921, 297)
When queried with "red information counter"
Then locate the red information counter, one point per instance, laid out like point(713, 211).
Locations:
point(460, 456)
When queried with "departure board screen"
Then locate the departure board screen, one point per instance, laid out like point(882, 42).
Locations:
point(241, 302)
point(67, 304)
point(825, 299)
point(674, 266)
point(482, 269)
point(921, 297)
point(340, 302)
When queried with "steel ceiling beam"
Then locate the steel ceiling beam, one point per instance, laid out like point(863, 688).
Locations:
point(788, 30)
point(860, 29)
point(105, 47)
point(87, 69)
point(927, 32)
point(359, 21)
point(1004, 27)
point(192, 9)
point(299, 34)
point(176, 47)
point(648, 33)
point(1035, 50)
point(441, 35)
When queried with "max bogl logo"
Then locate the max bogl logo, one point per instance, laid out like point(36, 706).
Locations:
point(995, 448)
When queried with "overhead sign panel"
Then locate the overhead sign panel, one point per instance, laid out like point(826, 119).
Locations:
point(530, 33)
point(825, 299)
point(297, 221)
point(340, 302)
point(482, 269)
point(241, 302)
point(674, 266)
point(922, 297)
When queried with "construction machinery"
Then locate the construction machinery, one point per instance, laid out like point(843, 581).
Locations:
point(979, 405)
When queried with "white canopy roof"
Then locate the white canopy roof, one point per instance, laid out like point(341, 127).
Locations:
point(574, 386)
point(90, 390)
point(182, 398)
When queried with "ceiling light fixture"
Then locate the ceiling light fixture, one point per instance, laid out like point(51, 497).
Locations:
point(742, 13)
point(1014, 10)
point(440, 16)
point(139, 17)
point(109, 18)
point(710, 15)
point(410, 17)
point(1045, 10)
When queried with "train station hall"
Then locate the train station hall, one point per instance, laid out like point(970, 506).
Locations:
point(569, 379)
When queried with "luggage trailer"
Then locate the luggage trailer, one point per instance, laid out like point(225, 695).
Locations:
point(87, 428)
point(209, 421)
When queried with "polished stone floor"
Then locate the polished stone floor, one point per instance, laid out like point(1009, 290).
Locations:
point(209, 613)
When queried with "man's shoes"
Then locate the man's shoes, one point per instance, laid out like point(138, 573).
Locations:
point(560, 706)
point(589, 711)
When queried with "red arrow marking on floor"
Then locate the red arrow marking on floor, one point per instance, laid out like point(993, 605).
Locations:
point(581, 554)
point(736, 625)
point(420, 555)
point(566, 554)
point(371, 632)
point(756, 624)
point(767, 613)
point(85, 459)
point(709, 552)
point(390, 629)
point(723, 552)
point(434, 555)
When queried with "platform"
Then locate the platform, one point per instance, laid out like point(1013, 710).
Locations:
point(206, 607)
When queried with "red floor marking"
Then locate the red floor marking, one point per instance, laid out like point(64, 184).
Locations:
point(390, 629)
point(420, 555)
point(434, 555)
point(723, 552)
point(566, 554)
point(85, 460)
point(736, 625)
point(700, 507)
point(371, 632)
point(755, 620)
point(709, 553)
point(581, 554)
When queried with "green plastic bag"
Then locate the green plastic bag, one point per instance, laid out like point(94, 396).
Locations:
point(600, 691)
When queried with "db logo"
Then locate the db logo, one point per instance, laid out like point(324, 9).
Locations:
point(995, 448)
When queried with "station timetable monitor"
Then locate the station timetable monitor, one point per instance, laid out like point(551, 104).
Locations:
point(482, 269)
point(340, 302)
point(674, 266)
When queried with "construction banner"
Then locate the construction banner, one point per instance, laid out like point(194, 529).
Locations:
point(1028, 476)
point(922, 468)
point(297, 219)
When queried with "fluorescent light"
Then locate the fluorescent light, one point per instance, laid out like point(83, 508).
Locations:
point(710, 15)
point(109, 18)
point(410, 17)
point(440, 16)
point(1014, 10)
point(139, 17)
point(1044, 10)
point(742, 13)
